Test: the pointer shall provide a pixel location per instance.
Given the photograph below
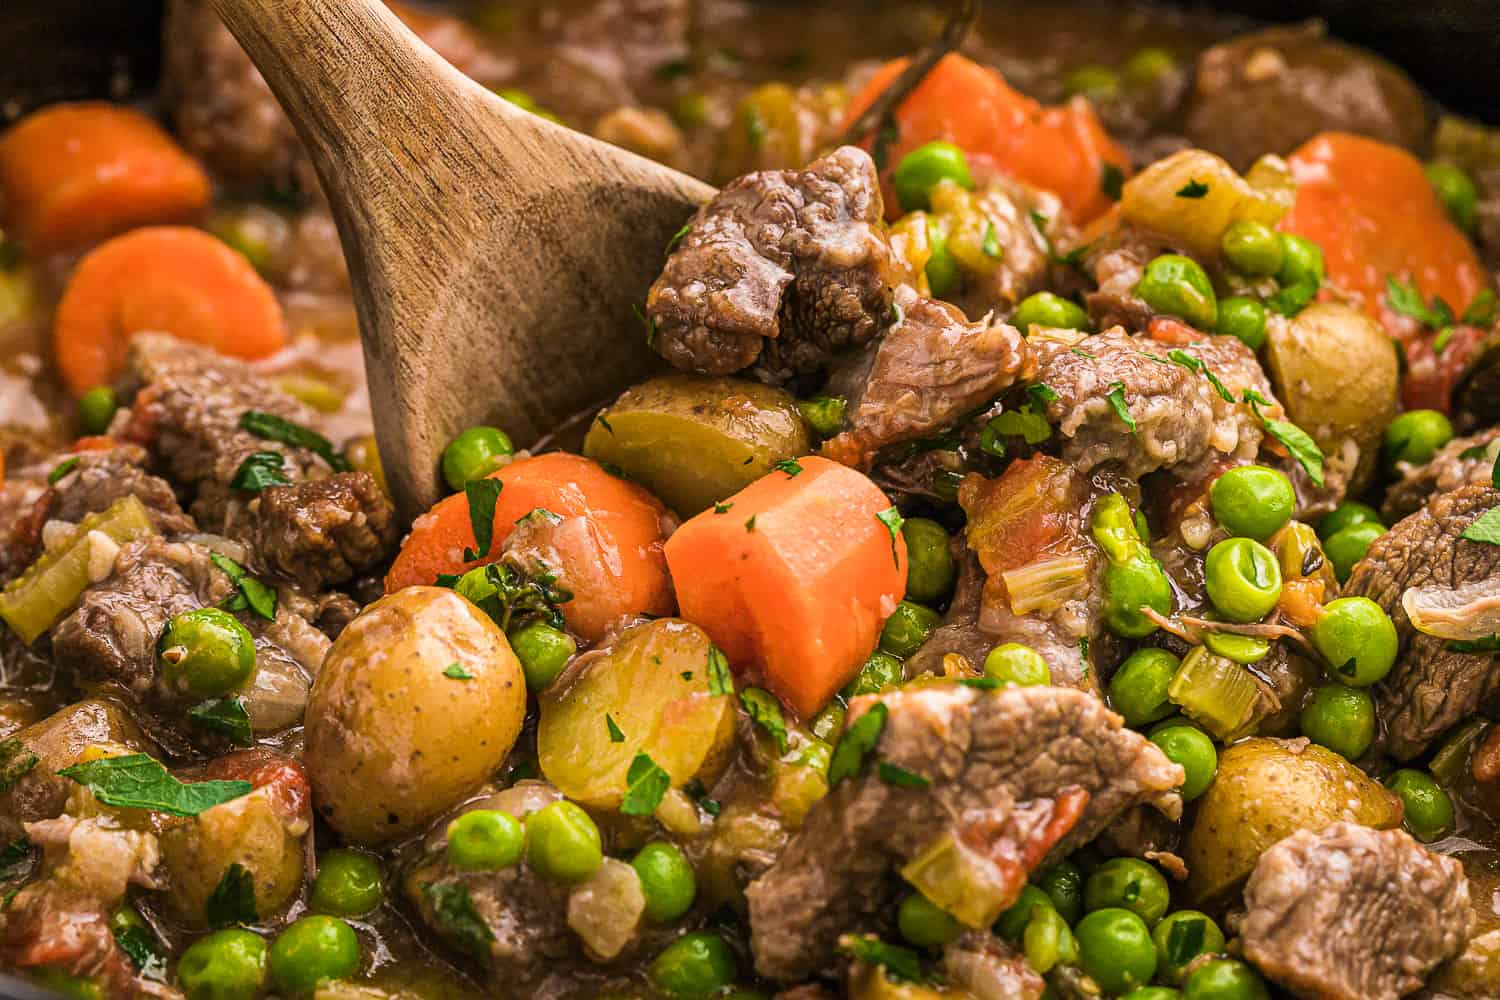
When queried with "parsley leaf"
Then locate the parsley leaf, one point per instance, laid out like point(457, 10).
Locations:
point(892, 519)
point(1116, 396)
point(1193, 364)
point(1481, 310)
point(1111, 181)
point(1296, 441)
point(1480, 450)
point(901, 964)
point(141, 947)
point(226, 716)
point(677, 237)
point(1407, 300)
point(790, 466)
point(750, 524)
point(859, 738)
point(482, 495)
point(456, 672)
point(616, 734)
point(1041, 392)
point(603, 422)
point(259, 470)
point(1185, 940)
point(893, 774)
point(507, 594)
point(722, 508)
point(64, 467)
point(16, 761)
point(456, 918)
point(765, 711)
point(645, 784)
point(991, 245)
point(647, 322)
point(719, 680)
point(1194, 188)
point(980, 683)
point(1495, 473)
point(233, 899)
point(138, 781)
point(273, 428)
point(252, 593)
point(1028, 422)
point(1485, 528)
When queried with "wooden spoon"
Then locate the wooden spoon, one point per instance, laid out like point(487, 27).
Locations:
point(495, 256)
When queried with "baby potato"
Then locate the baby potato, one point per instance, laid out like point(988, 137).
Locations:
point(1267, 789)
point(693, 441)
point(248, 831)
point(1335, 371)
point(418, 702)
point(1151, 199)
point(654, 685)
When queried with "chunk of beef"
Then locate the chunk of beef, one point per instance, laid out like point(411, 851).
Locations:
point(1269, 91)
point(1182, 423)
point(1462, 461)
point(50, 926)
point(323, 529)
point(1012, 212)
point(1013, 777)
point(1117, 261)
point(1351, 913)
point(781, 270)
point(1432, 685)
point(929, 370)
point(989, 969)
point(101, 477)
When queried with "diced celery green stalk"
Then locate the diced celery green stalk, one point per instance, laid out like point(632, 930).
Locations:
point(960, 880)
point(1214, 691)
point(35, 600)
point(1047, 584)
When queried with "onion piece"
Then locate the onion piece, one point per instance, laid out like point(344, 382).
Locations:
point(606, 910)
point(1467, 612)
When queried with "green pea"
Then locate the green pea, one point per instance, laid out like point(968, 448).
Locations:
point(1415, 436)
point(1346, 515)
point(1063, 884)
point(1181, 937)
point(348, 884)
point(1012, 923)
point(1138, 690)
point(1455, 189)
point(944, 276)
point(1244, 319)
point(1132, 585)
point(925, 924)
point(1301, 262)
point(97, 409)
point(693, 966)
point(1224, 979)
point(1153, 993)
point(1239, 648)
point(226, 965)
point(1357, 639)
point(562, 843)
point(310, 950)
point(1146, 66)
point(924, 168)
point(543, 652)
point(1243, 579)
point(1428, 809)
point(1013, 663)
point(1340, 718)
point(907, 628)
point(1047, 310)
point(881, 672)
point(1097, 83)
point(474, 454)
point(1348, 546)
point(1178, 286)
point(65, 984)
point(1252, 248)
point(930, 571)
point(1047, 941)
point(1190, 747)
point(205, 652)
point(485, 840)
point(1252, 500)
point(667, 880)
point(1130, 884)
point(1115, 949)
point(824, 414)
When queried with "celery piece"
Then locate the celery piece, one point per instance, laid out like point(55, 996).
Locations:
point(961, 881)
point(1214, 691)
point(35, 600)
point(1047, 584)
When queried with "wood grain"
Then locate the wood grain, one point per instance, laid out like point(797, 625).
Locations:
point(495, 256)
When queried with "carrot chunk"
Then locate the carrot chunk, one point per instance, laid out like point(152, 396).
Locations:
point(73, 174)
point(168, 279)
point(794, 578)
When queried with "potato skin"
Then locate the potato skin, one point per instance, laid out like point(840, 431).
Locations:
point(693, 441)
point(392, 742)
point(1267, 789)
point(1335, 371)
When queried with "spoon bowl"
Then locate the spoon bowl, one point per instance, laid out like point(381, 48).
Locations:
point(497, 258)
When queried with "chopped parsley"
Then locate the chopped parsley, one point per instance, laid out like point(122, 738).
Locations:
point(1296, 441)
point(1481, 310)
point(270, 427)
point(602, 422)
point(251, 593)
point(1407, 300)
point(719, 680)
point(893, 774)
point(507, 594)
point(886, 136)
point(142, 948)
point(723, 507)
point(62, 468)
point(645, 784)
point(980, 683)
point(232, 902)
point(226, 716)
point(750, 524)
point(1041, 392)
point(991, 245)
point(900, 964)
point(539, 514)
point(1073, 258)
point(138, 781)
point(755, 127)
point(647, 322)
point(892, 519)
point(859, 738)
point(1194, 188)
point(456, 672)
point(457, 919)
point(1116, 396)
point(259, 470)
point(1193, 364)
point(482, 495)
point(790, 466)
point(1111, 181)
point(765, 711)
point(616, 734)
point(677, 237)
point(1028, 422)
point(1082, 353)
